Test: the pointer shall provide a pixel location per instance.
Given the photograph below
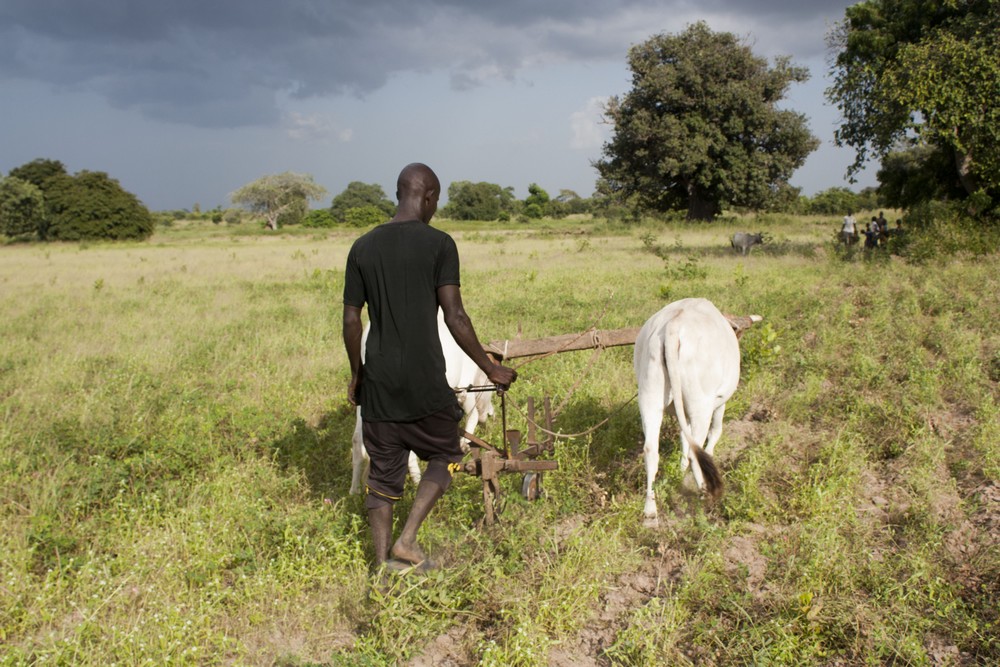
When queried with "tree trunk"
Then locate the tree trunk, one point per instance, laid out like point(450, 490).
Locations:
point(700, 208)
point(963, 163)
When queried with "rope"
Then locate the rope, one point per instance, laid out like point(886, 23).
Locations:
point(569, 436)
point(598, 346)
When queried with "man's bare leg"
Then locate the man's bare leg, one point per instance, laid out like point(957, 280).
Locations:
point(380, 522)
point(433, 485)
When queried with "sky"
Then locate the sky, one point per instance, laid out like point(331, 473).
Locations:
point(184, 101)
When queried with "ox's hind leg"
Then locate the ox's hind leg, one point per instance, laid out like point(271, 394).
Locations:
point(651, 410)
point(705, 422)
point(685, 447)
point(715, 430)
point(413, 463)
point(698, 420)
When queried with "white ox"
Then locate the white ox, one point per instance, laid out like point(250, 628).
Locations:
point(686, 356)
point(461, 372)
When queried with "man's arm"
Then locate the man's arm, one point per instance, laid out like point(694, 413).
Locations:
point(352, 343)
point(460, 326)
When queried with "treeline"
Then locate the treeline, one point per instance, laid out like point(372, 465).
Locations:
point(282, 199)
point(366, 204)
point(41, 200)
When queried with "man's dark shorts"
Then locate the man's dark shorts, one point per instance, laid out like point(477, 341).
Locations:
point(434, 437)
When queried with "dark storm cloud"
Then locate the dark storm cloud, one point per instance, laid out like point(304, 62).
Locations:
point(221, 63)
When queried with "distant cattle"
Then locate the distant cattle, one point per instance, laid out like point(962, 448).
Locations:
point(743, 241)
point(461, 372)
point(686, 357)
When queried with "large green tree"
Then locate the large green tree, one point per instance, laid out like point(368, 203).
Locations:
point(91, 205)
point(921, 72)
point(276, 194)
point(361, 196)
point(701, 127)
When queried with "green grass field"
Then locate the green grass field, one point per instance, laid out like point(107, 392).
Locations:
point(175, 460)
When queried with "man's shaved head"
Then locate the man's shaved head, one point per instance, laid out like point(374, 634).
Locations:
point(415, 180)
point(417, 190)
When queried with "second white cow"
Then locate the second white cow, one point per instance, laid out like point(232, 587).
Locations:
point(461, 372)
point(687, 357)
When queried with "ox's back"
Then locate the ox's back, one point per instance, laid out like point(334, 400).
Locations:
point(707, 350)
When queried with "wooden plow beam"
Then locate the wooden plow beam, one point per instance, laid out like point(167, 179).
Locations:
point(588, 340)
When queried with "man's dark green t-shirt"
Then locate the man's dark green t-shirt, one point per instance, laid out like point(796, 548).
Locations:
point(396, 269)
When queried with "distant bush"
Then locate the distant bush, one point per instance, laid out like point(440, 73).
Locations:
point(937, 230)
point(319, 218)
point(364, 216)
point(361, 195)
point(234, 216)
point(533, 211)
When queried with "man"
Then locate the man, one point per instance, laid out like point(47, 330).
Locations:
point(404, 270)
point(848, 232)
point(883, 224)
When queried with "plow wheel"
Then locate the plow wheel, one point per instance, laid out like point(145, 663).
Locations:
point(531, 486)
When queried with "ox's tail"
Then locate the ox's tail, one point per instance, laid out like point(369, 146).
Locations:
point(713, 479)
point(671, 358)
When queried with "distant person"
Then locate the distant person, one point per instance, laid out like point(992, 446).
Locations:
point(883, 224)
point(404, 270)
point(849, 231)
point(872, 234)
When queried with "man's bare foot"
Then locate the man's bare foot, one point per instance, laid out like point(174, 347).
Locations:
point(410, 553)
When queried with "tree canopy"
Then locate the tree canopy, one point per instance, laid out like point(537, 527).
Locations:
point(921, 73)
point(276, 194)
point(478, 201)
point(39, 171)
point(918, 174)
point(360, 195)
point(91, 205)
point(838, 201)
point(701, 127)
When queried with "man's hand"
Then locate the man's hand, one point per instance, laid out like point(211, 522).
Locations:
point(502, 376)
point(354, 390)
